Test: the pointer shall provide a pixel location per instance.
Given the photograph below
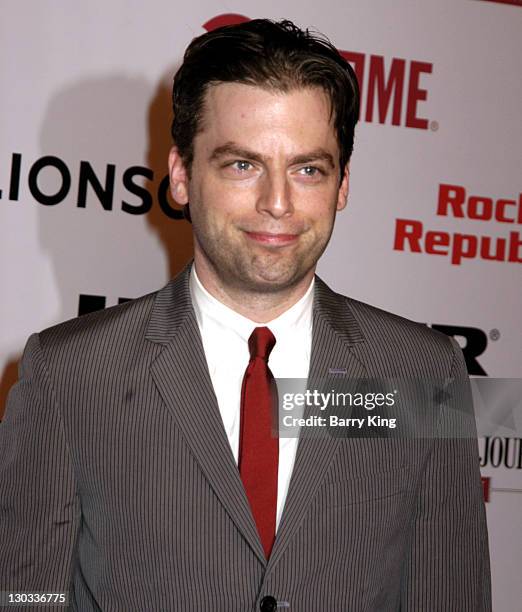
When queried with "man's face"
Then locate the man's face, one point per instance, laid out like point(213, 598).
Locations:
point(264, 186)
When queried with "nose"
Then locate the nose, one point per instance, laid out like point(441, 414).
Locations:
point(275, 196)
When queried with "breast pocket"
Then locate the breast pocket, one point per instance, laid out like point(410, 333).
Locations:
point(365, 488)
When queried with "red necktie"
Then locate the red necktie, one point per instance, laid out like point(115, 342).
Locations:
point(258, 440)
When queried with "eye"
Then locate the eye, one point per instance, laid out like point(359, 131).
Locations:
point(241, 165)
point(310, 171)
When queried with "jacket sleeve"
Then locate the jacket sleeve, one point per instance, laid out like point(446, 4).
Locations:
point(39, 503)
point(447, 567)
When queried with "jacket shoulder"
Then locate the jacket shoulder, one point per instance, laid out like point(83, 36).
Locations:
point(412, 347)
point(373, 319)
point(107, 328)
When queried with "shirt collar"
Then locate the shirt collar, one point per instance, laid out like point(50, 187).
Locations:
point(209, 309)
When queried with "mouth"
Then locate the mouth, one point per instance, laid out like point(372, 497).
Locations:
point(271, 239)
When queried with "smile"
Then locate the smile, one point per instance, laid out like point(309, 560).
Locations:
point(272, 239)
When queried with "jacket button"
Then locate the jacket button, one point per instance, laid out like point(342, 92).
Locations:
point(268, 604)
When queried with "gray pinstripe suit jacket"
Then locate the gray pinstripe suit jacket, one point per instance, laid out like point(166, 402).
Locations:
point(118, 484)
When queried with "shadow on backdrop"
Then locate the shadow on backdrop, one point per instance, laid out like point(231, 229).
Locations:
point(175, 235)
point(119, 120)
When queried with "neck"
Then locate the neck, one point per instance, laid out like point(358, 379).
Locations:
point(260, 307)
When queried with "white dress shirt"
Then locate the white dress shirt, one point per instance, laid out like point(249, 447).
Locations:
point(225, 336)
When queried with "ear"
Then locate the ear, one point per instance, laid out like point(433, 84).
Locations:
point(178, 177)
point(342, 196)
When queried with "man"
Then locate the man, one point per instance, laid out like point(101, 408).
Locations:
point(137, 467)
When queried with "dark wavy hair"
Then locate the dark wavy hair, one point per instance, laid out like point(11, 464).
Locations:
point(269, 54)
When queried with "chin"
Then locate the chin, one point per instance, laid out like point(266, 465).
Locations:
point(268, 281)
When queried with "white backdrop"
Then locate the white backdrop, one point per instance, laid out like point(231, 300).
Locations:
point(85, 93)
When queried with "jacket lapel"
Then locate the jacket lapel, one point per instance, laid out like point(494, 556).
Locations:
point(334, 332)
point(182, 378)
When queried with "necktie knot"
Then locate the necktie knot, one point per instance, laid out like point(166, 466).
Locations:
point(261, 343)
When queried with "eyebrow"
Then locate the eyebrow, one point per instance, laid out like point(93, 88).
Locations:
point(232, 149)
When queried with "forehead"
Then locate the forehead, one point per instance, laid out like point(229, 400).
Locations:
point(266, 119)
